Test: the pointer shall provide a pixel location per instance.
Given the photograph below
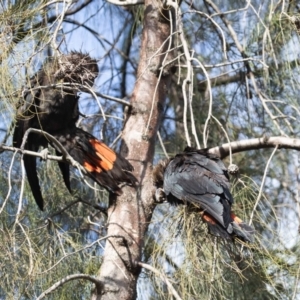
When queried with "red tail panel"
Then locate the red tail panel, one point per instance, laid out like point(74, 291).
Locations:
point(236, 228)
point(241, 229)
point(235, 218)
point(209, 219)
point(105, 153)
point(214, 227)
point(101, 160)
point(91, 168)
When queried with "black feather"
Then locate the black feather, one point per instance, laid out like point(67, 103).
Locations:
point(200, 178)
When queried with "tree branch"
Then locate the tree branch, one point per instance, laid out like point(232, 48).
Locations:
point(163, 277)
point(129, 214)
point(55, 286)
point(250, 73)
point(70, 86)
point(67, 157)
point(20, 34)
point(32, 153)
point(71, 253)
point(221, 80)
point(80, 200)
point(102, 38)
point(240, 76)
point(126, 2)
point(255, 144)
point(221, 151)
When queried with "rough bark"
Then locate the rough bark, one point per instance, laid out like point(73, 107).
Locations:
point(129, 214)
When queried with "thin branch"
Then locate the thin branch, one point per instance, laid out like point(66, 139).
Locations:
point(78, 8)
point(226, 63)
point(264, 104)
point(96, 206)
point(246, 63)
point(162, 144)
point(213, 267)
point(30, 249)
point(255, 144)
point(60, 283)
point(229, 27)
point(80, 87)
point(64, 208)
point(72, 253)
point(216, 25)
point(124, 102)
point(221, 151)
point(101, 38)
point(188, 79)
point(126, 2)
point(66, 156)
point(205, 130)
point(9, 182)
point(31, 153)
point(22, 33)
point(298, 189)
point(262, 185)
point(161, 71)
point(222, 79)
point(114, 142)
point(98, 102)
point(163, 277)
point(187, 86)
point(60, 19)
point(227, 137)
point(21, 193)
point(60, 147)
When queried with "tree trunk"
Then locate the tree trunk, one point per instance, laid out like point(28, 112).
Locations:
point(129, 214)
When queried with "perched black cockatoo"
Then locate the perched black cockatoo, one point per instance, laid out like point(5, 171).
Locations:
point(54, 109)
point(196, 177)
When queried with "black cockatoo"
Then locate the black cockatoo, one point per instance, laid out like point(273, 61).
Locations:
point(54, 109)
point(196, 177)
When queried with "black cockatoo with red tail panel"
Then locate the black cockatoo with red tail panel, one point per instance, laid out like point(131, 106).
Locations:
point(198, 178)
point(50, 103)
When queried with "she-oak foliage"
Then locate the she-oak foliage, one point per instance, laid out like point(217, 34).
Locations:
point(249, 51)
